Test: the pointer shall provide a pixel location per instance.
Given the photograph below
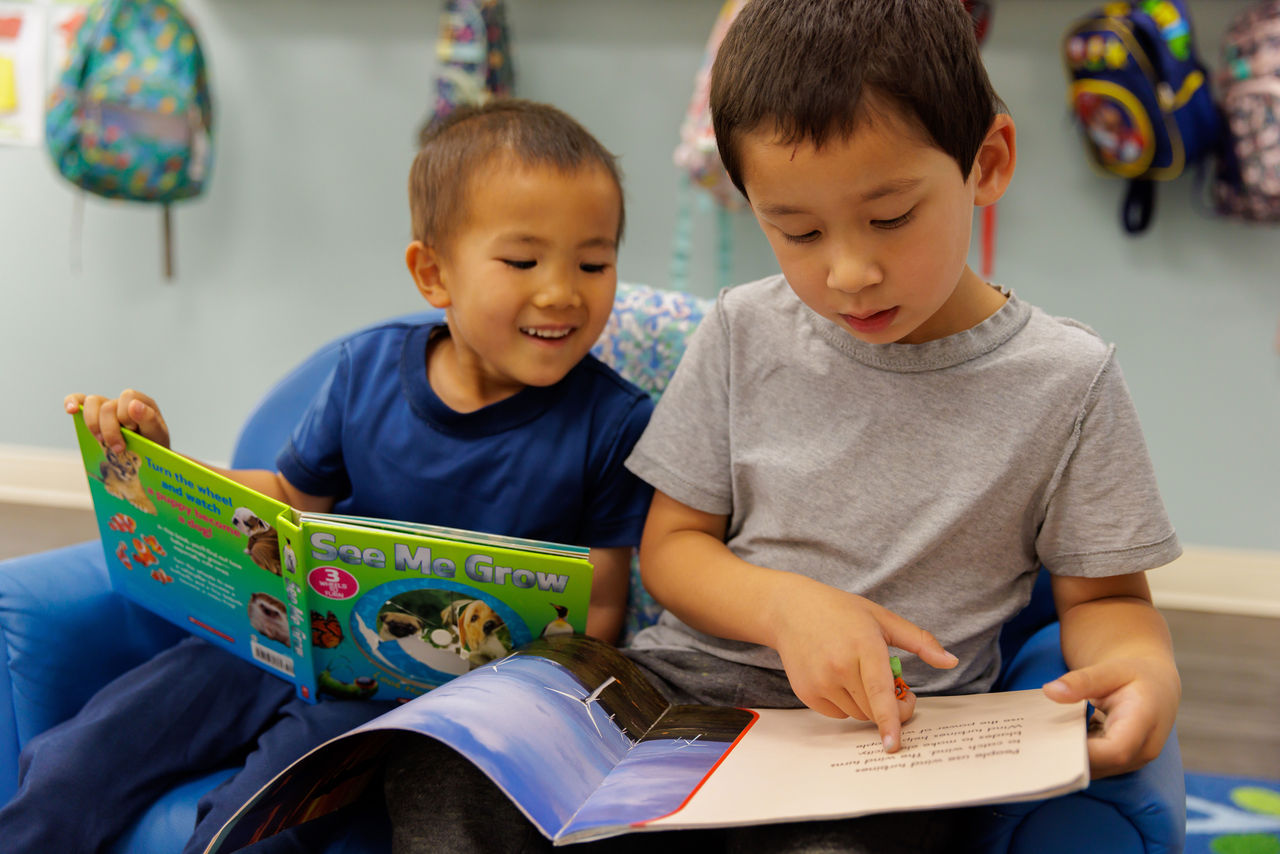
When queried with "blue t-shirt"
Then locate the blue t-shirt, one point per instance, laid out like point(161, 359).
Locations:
point(545, 463)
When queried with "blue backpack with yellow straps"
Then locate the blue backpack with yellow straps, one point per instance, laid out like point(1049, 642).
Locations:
point(1141, 97)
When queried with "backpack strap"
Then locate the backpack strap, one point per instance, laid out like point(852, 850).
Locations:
point(166, 232)
point(1139, 206)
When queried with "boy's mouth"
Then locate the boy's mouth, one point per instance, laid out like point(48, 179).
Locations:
point(873, 322)
point(547, 333)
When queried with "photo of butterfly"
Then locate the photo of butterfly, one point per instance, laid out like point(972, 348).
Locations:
point(326, 631)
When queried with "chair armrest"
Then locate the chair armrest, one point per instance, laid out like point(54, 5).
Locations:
point(63, 635)
point(1143, 811)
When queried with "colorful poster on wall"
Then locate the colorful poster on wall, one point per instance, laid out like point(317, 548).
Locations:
point(22, 80)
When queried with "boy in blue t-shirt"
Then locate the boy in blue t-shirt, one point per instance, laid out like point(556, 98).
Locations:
point(496, 420)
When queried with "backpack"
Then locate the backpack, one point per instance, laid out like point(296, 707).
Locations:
point(1141, 96)
point(1248, 186)
point(131, 116)
point(474, 55)
point(698, 160)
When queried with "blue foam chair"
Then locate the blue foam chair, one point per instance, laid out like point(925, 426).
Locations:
point(47, 676)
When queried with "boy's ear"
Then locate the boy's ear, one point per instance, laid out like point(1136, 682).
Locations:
point(993, 167)
point(424, 265)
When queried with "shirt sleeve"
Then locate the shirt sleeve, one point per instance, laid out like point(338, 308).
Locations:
point(684, 452)
point(1104, 514)
point(619, 501)
point(312, 460)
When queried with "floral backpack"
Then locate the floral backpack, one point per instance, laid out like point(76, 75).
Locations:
point(474, 55)
point(130, 116)
point(1248, 187)
point(698, 160)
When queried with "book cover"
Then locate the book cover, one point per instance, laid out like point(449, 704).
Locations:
point(574, 734)
point(341, 606)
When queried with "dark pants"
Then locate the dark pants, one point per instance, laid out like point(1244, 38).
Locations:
point(190, 710)
point(439, 801)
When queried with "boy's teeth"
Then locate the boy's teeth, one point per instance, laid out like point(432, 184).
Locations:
point(547, 333)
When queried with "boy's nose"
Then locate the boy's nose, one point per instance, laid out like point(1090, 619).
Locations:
point(850, 271)
point(557, 291)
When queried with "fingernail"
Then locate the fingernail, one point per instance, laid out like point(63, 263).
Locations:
point(890, 743)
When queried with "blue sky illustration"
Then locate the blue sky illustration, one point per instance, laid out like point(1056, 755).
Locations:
point(526, 723)
point(653, 780)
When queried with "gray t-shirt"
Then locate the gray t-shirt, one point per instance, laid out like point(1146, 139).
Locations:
point(933, 479)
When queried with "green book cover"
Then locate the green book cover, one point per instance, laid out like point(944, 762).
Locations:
point(341, 606)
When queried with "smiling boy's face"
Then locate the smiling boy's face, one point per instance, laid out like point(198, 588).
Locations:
point(528, 280)
point(872, 232)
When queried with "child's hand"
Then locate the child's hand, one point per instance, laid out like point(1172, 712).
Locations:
point(1138, 698)
point(835, 649)
point(105, 416)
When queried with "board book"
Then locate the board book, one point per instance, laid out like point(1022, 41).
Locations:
point(576, 736)
point(341, 606)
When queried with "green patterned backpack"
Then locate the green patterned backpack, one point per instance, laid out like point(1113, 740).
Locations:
point(130, 117)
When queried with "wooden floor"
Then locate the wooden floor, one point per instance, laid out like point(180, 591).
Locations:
point(1229, 721)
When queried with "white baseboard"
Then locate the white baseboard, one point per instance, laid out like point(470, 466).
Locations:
point(45, 477)
point(1221, 580)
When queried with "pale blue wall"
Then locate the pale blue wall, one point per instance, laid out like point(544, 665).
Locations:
point(302, 233)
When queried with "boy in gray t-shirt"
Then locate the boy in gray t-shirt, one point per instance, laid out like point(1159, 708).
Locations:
point(877, 448)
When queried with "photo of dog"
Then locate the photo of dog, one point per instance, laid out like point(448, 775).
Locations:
point(268, 617)
point(393, 625)
point(119, 476)
point(264, 544)
point(476, 626)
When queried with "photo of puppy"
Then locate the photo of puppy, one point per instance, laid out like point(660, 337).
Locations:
point(476, 626)
point(264, 544)
point(119, 476)
point(393, 625)
point(268, 617)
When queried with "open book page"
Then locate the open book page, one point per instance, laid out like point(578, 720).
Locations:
point(571, 731)
point(198, 549)
point(978, 748)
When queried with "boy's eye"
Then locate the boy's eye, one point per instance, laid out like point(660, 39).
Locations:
point(519, 265)
point(896, 222)
point(807, 237)
point(593, 268)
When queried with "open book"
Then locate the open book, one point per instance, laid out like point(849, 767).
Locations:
point(572, 731)
point(339, 605)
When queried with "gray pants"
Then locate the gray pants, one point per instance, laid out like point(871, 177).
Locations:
point(440, 802)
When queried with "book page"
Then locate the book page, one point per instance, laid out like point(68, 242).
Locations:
point(977, 748)
point(198, 549)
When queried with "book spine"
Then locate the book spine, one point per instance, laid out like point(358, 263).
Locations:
point(293, 560)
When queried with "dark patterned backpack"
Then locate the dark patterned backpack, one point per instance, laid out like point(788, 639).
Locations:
point(1248, 186)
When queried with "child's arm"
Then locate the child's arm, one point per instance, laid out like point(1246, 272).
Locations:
point(105, 417)
point(610, 578)
point(833, 644)
point(1121, 658)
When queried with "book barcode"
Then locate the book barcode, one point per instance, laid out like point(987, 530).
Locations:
point(271, 658)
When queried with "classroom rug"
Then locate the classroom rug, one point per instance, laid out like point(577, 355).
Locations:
point(1232, 815)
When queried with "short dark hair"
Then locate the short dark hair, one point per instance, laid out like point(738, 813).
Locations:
point(805, 67)
point(455, 149)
